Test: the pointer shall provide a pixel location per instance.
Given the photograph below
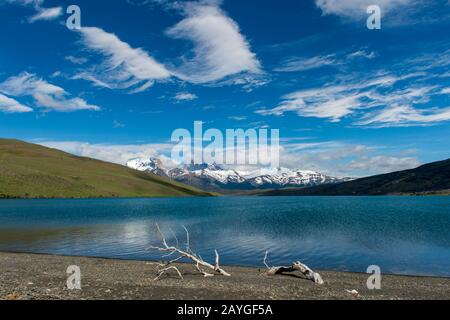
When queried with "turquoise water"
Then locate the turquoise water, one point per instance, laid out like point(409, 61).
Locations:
point(403, 235)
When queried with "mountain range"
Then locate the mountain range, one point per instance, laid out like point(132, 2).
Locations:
point(214, 177)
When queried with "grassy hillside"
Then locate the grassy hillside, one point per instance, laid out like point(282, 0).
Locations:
point(432, 178)
point(32, 171)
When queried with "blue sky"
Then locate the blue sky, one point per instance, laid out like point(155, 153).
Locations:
point(348, 101)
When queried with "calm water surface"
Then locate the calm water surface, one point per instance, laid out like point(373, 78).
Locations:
point(403, 235)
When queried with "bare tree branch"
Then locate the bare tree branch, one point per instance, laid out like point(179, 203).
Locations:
point(205, 274)
point(265, 260)
point(188, 254)
point(296, 266)
point(175, 237)
point(217, 266)
point(163, 271)
point(188, 241)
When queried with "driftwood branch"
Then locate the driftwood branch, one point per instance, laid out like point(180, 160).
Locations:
point(187, 253)
point(162, 271)
point(296, 266)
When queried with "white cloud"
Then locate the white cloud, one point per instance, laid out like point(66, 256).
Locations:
point(237, 118)
point(395, 97)
point(333, 102)
point(405, 115)
point(344, 160)
point(9, 105)
point(362, 54)
point(76, 60)
point(296, 64)
point(123, 67)
point(114, 153)
point(394, 12)
point(358, 8)
point(248, 81)
point(383, 164)
point(185, 96)
point(46, 95)
point(220, 50)
point(303, 64)
point(35, 3)
point(46, 14)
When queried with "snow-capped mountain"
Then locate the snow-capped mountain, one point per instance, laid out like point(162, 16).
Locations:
point(152, 165)
point(214, 177)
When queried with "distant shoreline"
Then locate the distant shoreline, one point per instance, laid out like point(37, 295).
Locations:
point(40, 276)
point(230, 195)
point(101, 198)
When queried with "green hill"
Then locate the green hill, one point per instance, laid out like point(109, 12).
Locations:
point(432, 178)
point(33, 171)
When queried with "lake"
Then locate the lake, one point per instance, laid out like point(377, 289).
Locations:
point(402, 235)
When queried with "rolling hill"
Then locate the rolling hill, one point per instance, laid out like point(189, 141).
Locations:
point(432, 178)
point(33, 171)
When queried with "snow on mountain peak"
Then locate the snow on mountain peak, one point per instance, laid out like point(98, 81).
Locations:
point(153, 165)
point(215, 176)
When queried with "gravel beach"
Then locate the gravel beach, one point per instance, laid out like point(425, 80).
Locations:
point(34, 276)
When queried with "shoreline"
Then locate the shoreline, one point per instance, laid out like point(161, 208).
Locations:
point(226, 266)
point(213, 194)
point(25, 276)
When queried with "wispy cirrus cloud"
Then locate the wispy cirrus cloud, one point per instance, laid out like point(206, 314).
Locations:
point(46, 96)
point(405, 115)
point(9, 105)
point(300, 64)
point(220, 56)
point(219, 48)
point(46, 14)
point(400, 97)
point(303, 64)
point(42, 13)
point(362, 53)
point(123, 67)
point(399, 12)
point(238, 118)
point(185, 96)
point(76, 60)
point(331, 102)
point(34, 3)
point(356, 9)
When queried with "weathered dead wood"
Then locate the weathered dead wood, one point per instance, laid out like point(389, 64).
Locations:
point(296, 266)
point(161, 272)
point(188, 254)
